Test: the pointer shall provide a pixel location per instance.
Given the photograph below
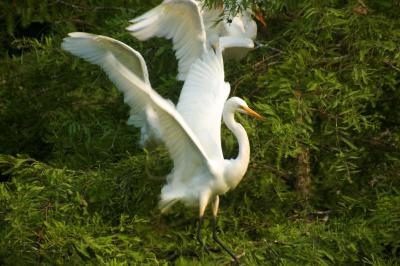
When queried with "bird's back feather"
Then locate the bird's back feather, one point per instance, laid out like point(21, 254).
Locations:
point(202, 100)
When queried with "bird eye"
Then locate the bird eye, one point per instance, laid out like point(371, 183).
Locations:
point(242, 109)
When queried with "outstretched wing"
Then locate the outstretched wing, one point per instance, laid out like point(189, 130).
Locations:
point(202, 100)
point(89, 46)
point(182, 144)
point(95, 48)
point(179, 20)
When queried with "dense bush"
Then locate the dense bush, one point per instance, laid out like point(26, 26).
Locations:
point(323, 184)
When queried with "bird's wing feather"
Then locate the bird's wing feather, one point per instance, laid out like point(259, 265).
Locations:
point(88, 45)
point(94, 49)
point(235, 47)
point(202, 100)
point(233, 41)
point(213, 19)
point(181, 143)
point(177, 20)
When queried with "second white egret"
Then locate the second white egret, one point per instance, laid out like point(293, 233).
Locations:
point(194, 28)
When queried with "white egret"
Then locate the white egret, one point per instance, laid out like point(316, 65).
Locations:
point(193, 29)
point(191, 132)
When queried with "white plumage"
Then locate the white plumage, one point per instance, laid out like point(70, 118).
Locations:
point(193, 29)
point(191, 132)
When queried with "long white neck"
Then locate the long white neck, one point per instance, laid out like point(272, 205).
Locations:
point(237, 167)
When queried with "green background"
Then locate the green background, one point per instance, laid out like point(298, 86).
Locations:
point(323, 184)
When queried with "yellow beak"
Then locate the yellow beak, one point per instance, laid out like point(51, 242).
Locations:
point(253, 113)
point(260, 17)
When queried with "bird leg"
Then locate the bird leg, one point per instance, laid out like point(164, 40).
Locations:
point(202, 207)
point(200, 237)
point(215, 206)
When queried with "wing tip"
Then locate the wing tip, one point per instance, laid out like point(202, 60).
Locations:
point(79, 34)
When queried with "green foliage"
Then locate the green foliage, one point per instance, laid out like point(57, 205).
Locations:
point(59, 216)
point(331, 91)
point(76, 189)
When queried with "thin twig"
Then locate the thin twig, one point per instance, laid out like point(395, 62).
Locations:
point(266, 59)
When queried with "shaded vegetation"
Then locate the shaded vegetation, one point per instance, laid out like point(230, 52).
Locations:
point(323, 186)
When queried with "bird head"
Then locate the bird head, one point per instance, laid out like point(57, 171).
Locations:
point(239, 105)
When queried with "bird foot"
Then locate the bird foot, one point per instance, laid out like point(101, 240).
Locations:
point(237, 257)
